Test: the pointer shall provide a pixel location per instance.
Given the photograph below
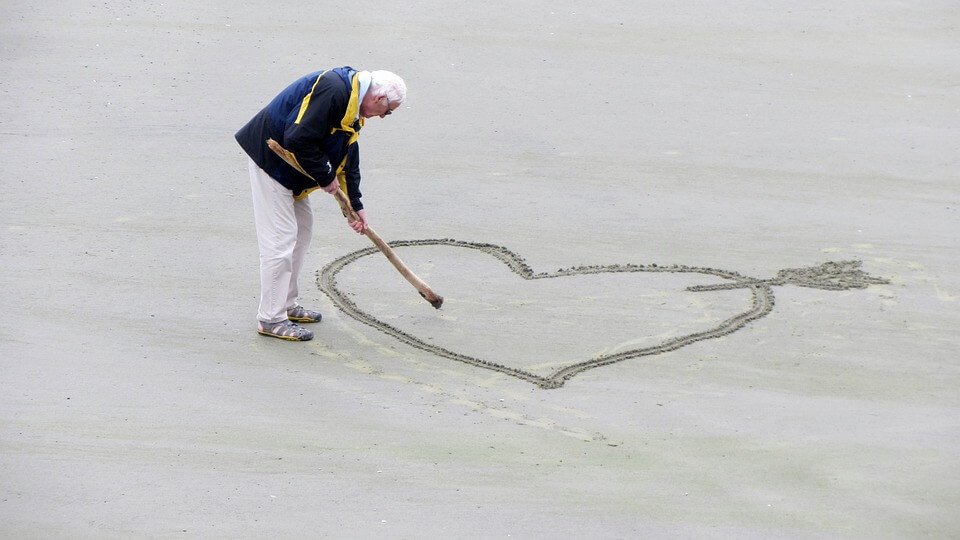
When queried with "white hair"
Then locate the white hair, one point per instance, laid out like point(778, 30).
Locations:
point(387, 83)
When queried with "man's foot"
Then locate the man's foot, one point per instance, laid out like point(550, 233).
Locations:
point(284, 330)
point(303, 315)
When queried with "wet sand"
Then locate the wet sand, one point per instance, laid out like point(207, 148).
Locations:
point(582, 144)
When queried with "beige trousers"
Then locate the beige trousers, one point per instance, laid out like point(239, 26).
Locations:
point(284, 228)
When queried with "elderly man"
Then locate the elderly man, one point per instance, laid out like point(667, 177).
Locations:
point(317, 119)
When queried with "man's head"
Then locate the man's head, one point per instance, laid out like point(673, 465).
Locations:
point(387, 91)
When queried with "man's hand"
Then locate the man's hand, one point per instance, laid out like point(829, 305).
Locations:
point(362, 225)
point(331, 188)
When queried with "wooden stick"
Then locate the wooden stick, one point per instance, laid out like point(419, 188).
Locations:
point(425, 291)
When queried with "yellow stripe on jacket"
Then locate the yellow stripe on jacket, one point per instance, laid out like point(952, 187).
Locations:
point(346, 124)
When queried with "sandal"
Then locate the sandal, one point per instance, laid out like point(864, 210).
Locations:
point(303, 315)
point(284, 330)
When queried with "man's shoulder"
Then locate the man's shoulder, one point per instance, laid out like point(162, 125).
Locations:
point(319, 82)
point(333, 82)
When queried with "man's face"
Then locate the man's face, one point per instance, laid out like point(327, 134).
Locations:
point(372, 105)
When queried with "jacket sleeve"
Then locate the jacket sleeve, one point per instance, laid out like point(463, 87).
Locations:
point(351, 172)
point(306, 130)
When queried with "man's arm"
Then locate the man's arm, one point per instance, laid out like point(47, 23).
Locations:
point(351, 172)
point(305, 132)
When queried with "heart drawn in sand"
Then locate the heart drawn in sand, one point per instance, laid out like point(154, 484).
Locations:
point(830, 276)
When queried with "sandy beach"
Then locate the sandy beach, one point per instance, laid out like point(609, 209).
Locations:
point(631, 210)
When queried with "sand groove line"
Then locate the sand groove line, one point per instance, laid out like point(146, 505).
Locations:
point(840, 275)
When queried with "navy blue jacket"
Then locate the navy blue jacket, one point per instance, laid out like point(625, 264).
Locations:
point(315, 118)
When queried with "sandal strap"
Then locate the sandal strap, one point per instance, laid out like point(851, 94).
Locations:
point(302, 314)
point(285, 328)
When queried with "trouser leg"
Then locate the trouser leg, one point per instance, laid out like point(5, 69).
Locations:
point(276, 221)
point(304, 218)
